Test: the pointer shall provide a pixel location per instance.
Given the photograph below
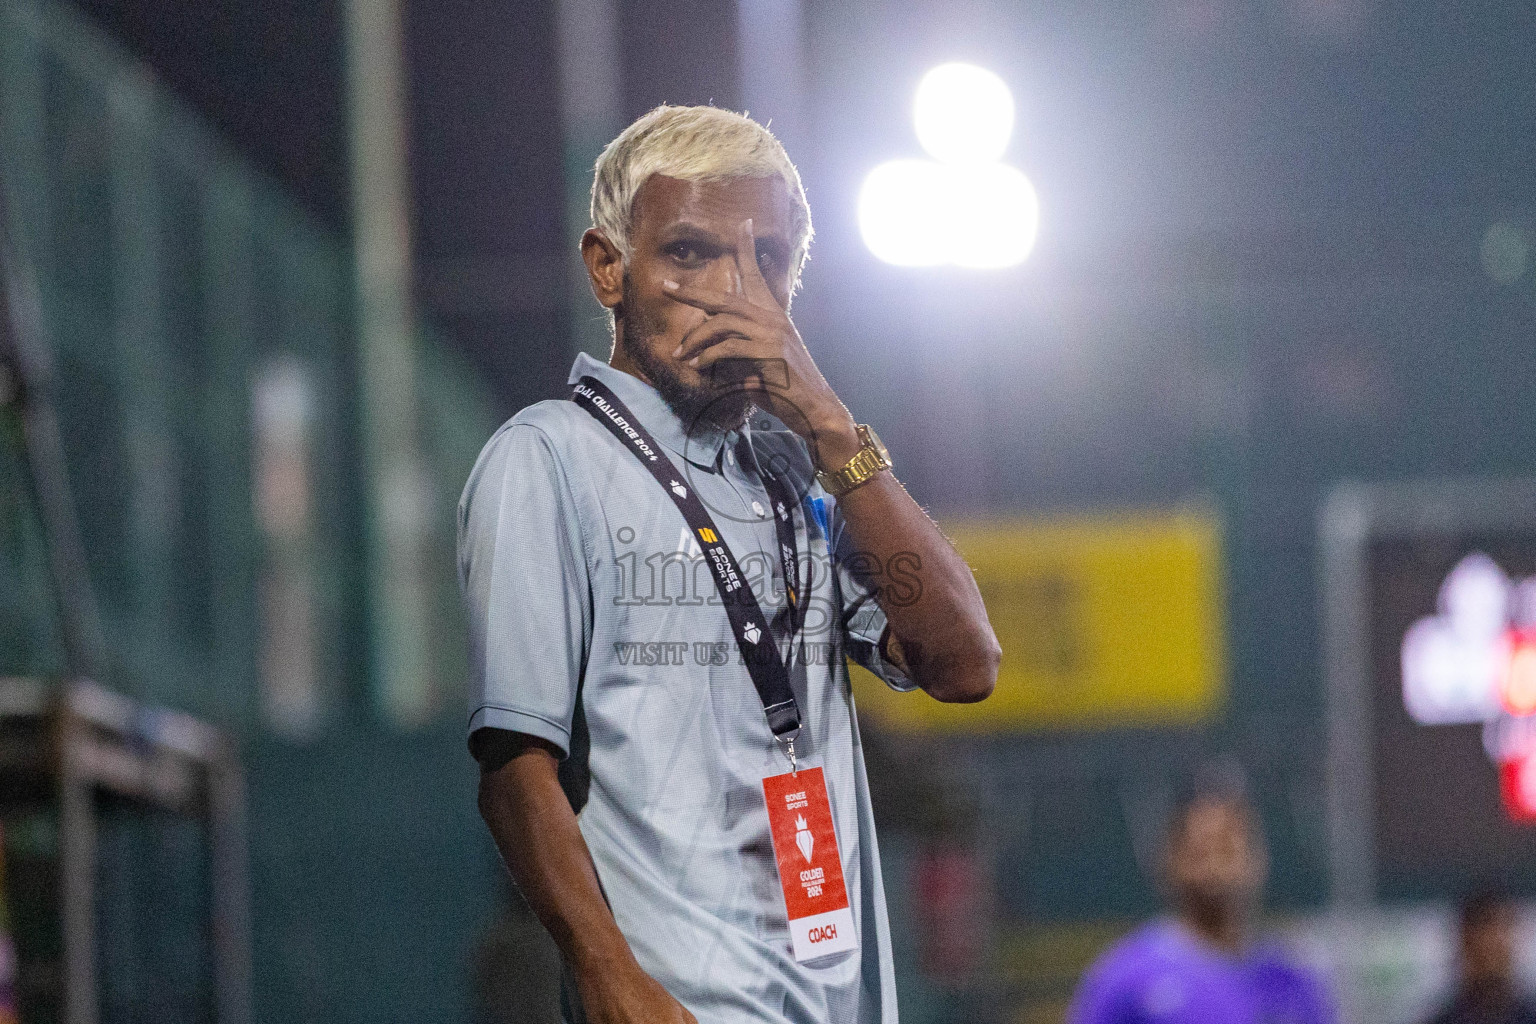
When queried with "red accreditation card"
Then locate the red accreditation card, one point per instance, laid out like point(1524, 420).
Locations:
point(810, 867)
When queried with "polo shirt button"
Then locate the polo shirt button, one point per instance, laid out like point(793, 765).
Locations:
point(758, 508)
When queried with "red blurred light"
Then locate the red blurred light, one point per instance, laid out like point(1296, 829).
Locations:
point(1517, 789)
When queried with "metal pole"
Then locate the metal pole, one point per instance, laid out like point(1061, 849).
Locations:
point(139, 338)
point(26, 379)
point(231, 888)
point(387, 363)
point(591, 106)
point(77, 870)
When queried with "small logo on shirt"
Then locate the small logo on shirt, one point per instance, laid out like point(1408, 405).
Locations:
point(708, 536)
point(803, 838)
point(752, 633)
point(688, 544)
point(783, 512)
point(679, 490)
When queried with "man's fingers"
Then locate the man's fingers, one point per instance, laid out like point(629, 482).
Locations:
point(711, 332)
point(746, 252)
point(752, 284)
point(709, 302)
point(734, 345)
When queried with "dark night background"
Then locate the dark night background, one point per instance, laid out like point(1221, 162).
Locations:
point(1283, 245)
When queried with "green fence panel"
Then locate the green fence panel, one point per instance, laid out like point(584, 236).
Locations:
point(201, 331)
point(184, 299)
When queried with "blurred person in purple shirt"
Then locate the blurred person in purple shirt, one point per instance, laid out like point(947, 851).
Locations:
point(1204, 964)
point(1487, 991)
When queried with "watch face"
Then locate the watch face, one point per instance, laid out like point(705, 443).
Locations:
point(874, 439)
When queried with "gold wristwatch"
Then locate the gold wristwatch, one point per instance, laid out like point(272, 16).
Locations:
point(872, 458)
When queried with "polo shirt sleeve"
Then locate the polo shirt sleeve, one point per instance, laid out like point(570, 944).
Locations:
point(524, 579)
point(858, 580)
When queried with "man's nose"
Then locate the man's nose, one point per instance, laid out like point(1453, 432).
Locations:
point(722, 275)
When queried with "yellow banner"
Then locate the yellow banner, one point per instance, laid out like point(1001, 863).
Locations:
point(1104, 622)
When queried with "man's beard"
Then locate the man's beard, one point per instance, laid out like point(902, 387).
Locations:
point(705, 405)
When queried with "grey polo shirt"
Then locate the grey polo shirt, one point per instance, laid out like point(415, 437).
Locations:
point(590, 608)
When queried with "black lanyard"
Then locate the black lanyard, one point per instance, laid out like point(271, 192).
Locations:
point(782, 497)
point(753, 637)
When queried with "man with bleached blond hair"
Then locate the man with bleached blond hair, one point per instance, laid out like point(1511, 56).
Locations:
point(665, 573)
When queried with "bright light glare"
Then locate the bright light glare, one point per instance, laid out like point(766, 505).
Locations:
point(916, 213)
point(963, 114)
point(993, 216)
point(900, 215)
point(1519, 689)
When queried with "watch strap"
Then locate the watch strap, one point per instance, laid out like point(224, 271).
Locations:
point(868, 462)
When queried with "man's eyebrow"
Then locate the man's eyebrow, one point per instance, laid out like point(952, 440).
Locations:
point(685, 228)
point(692, 229)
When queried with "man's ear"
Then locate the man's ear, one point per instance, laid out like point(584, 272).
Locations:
point(605, 267)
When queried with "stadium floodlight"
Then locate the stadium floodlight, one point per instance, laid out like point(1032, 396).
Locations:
point(994, 216)
point(902, 215)
point(963, 114)
point(963, 207)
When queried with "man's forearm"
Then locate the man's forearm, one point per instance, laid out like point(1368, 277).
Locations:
point(945, 641)
point(536, 832)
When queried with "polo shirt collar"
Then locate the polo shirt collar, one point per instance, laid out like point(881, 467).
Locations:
point(700, 446)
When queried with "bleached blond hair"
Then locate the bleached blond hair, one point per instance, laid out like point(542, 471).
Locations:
point(693, 144)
